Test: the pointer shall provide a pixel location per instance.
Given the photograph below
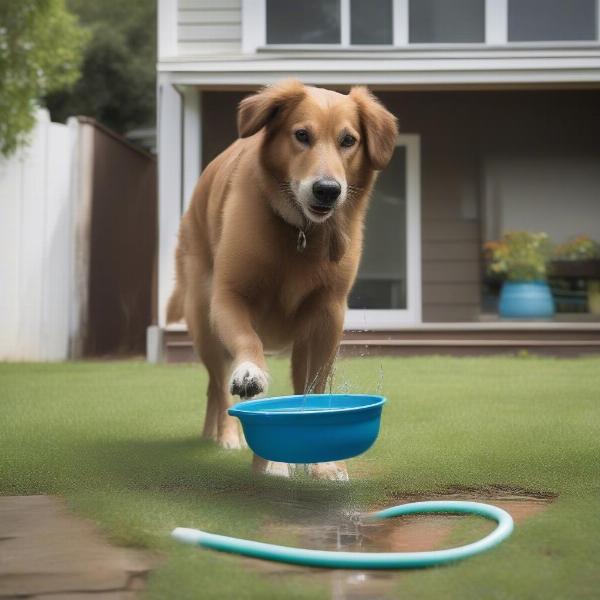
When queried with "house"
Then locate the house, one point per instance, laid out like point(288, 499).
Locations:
point(499, 110)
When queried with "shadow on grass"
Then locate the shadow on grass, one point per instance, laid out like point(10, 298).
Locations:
point(198, 469)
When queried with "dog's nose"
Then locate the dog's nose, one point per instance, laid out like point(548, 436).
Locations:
point(326, 191)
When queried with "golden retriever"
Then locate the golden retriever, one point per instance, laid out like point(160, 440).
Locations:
point(271, 242)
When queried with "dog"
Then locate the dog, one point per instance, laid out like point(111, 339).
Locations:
point(270, 245)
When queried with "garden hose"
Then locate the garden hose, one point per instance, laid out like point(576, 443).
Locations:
point(366, 560)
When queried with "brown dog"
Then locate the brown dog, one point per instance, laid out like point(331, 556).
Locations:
point(270, 244)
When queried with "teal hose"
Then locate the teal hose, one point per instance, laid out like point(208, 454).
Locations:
point(366, 560)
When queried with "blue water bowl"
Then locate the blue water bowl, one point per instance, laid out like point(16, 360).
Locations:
point(310, 429)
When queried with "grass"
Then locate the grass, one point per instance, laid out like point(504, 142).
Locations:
point(120, 441)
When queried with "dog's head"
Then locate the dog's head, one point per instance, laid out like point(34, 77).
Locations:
point(320, 146)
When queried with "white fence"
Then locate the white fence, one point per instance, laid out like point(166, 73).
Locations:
point(41, 193)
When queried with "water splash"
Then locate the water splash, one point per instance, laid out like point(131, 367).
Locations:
point(379, 387)
point(343, 380)
point(332, 374)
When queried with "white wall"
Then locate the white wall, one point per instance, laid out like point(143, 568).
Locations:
point(557, 195)
point(37, 245)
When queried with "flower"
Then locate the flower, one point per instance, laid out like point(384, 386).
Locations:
point(519, 255)
point(580, 247)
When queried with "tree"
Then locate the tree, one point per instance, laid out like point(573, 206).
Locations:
point(40, 51)
point(117, 86)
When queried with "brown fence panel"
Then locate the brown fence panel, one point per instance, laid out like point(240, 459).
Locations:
point(123, 241)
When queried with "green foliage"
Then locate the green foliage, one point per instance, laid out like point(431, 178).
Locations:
point(519, 256)
point(580, 247)
point(117, 85)
point(40, 52)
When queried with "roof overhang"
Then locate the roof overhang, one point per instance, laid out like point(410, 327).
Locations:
point(398, 69)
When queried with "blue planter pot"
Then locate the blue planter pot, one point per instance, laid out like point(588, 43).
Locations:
point(526, 300)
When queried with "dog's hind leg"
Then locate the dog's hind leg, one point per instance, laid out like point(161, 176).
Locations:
point(268, 467)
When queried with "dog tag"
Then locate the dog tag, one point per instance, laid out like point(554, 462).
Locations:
point(301, 244)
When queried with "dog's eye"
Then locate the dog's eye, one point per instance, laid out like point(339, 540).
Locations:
point(347, 141)
point(302, 136)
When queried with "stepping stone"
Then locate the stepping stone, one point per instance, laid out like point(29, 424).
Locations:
point(47, 553)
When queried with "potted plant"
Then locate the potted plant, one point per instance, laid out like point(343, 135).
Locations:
point(521, 258)
point(579, 258)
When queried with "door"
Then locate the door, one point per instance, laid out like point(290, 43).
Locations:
point(387, 291)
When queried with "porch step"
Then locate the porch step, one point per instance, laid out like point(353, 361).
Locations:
point(552, 338)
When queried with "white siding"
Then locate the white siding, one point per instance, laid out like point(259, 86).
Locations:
point(209, 27)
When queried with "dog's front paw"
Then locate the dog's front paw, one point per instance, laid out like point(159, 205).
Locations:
point(248, 380)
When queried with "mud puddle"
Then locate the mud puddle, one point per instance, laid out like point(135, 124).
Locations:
point(351, 531)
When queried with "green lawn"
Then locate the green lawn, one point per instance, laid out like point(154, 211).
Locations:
point(120, 441)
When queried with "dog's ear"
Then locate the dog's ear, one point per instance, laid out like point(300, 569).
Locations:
point(254, 112)
point(380, 127)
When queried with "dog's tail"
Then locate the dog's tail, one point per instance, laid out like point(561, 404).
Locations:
point(175, 306)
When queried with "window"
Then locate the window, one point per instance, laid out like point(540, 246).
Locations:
point(306, 22)
point(551, 20)
point(401, 23)
point(444, 21)
point(381, 280)
point(371, 22)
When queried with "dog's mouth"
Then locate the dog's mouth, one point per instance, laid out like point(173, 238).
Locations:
point(320, 211)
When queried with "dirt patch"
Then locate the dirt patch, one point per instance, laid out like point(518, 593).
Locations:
point(519, 503)
point(353, 532)
point(46, 553)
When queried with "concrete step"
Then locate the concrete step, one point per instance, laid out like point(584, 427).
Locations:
point(550, 338)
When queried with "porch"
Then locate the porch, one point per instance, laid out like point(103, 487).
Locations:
point(174, 345)
point(470, 164)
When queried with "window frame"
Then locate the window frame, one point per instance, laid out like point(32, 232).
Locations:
point(254, 31)
point(385, 319)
